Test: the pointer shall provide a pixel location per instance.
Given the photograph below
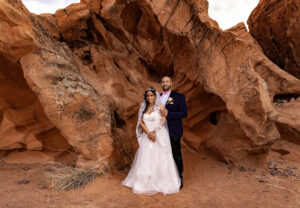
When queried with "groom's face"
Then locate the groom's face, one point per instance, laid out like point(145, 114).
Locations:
point(166, 83)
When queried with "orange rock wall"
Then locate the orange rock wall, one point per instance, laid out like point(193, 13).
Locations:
point(88, 65)
point(275, 25)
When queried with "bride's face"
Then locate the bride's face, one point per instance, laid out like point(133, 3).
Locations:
point(150, 97)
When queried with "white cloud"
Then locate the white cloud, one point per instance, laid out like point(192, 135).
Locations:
point(226, 12)
point(46, 6)
point(230, 12)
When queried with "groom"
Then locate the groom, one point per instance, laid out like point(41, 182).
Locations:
point(175, 110)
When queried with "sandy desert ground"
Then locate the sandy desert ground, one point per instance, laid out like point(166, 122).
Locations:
point(207, 183)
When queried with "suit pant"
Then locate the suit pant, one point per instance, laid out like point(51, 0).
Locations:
point(176, 150)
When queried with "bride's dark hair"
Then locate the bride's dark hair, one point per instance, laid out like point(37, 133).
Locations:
point(145, 97)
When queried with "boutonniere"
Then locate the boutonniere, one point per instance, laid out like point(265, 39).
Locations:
point(170, 101)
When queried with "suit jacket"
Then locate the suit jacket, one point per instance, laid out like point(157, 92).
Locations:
point(177, 110)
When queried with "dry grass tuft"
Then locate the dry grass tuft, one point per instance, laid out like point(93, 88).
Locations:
point(67, 178)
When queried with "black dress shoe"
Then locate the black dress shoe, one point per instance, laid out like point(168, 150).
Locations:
point(181, 186)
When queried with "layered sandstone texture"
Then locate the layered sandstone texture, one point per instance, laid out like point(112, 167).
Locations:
point(72, 82)
point(275, 25)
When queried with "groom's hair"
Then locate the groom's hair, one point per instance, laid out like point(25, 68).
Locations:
point(166, 76)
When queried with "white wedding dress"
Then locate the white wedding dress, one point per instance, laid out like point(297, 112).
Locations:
point(153, 169)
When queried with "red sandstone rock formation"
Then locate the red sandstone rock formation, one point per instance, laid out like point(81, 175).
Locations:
point(89, 64)
point(275, 25)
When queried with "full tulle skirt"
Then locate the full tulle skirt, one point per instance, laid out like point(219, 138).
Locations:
point(153, 169)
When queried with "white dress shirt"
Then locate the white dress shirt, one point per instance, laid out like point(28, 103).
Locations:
point(164, 97)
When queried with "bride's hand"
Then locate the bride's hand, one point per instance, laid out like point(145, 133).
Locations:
point(151, 136)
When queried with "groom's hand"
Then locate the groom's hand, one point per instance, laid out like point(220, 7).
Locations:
point(164, 112)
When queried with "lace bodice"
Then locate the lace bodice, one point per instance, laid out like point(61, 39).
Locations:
point(152, 120)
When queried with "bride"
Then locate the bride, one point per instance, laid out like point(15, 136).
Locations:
point(153, 169)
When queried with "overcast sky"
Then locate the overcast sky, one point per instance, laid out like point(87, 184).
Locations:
point(230, 12)
point(226, 12)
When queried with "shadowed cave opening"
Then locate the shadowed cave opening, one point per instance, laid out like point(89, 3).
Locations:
point(213, 118)
point(284, 98)
point(155, 73)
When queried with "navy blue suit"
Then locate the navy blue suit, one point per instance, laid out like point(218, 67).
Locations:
point(177, 110)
